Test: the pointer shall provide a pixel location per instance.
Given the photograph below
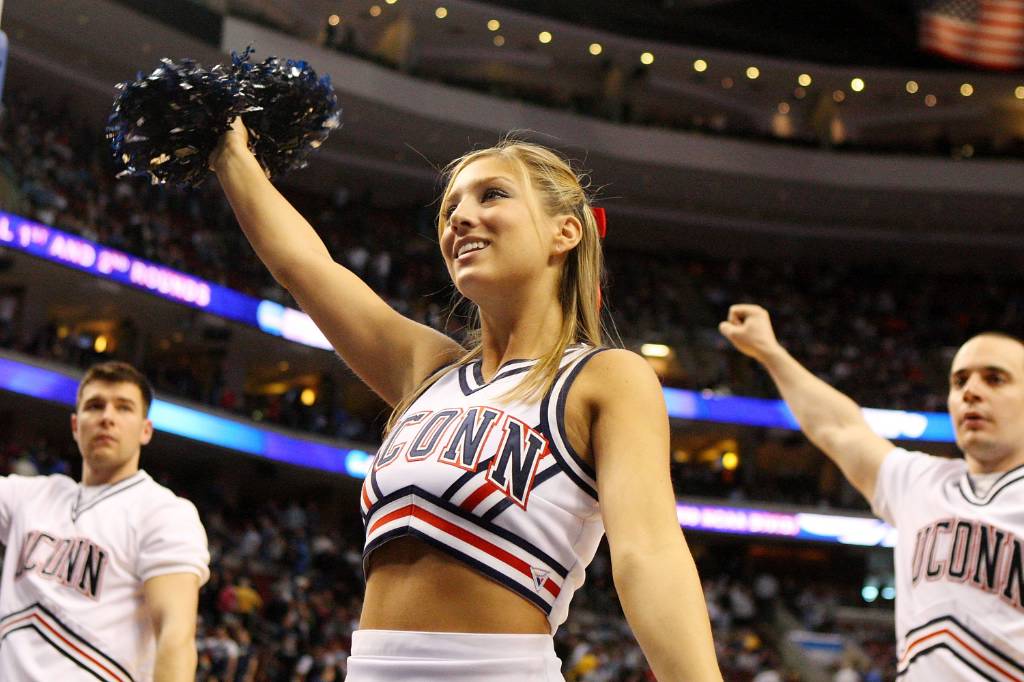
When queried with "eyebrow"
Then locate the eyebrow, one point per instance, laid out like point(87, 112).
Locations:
point(120, 400)
point(986, 368)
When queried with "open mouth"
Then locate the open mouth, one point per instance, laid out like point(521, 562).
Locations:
point(469, 248)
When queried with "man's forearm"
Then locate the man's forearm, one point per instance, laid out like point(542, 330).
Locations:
point(820, 409)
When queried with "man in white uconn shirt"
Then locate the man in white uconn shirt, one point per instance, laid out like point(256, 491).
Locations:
point(959, 553)
point(100, 578)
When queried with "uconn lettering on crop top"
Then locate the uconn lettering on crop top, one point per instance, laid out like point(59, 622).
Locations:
point(491, 482)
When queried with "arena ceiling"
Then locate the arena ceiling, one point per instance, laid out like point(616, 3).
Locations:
point(79, 48)
point(841, 32)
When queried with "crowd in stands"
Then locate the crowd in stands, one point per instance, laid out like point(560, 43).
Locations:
point(286, 581)
point(883, 335)
point(878, 333)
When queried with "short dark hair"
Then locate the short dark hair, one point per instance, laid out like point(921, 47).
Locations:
point(999, 335)
point(116, 373)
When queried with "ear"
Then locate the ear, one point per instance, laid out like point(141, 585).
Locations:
point(568, 233)
point(74, 426)
point(147, 432)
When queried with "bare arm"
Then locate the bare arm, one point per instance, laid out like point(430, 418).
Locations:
point(830, 419)
point(388, 351)
point(655, 576)
point(172, 601)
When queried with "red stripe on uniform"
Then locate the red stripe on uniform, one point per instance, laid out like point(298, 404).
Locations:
point(947, 631)
point(478, 496)
point(70, 644)
point(387, 518)
point(483, 545)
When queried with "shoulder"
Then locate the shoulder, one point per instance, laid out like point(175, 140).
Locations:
point(53, 482)
point(921, 463)
point(161, 502)
point(617, 373)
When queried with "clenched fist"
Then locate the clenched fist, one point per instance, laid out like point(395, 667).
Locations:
point(749, 328)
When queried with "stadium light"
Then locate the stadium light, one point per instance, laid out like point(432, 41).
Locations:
point(655, 350)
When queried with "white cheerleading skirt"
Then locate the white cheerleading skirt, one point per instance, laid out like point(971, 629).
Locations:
point(393, 656)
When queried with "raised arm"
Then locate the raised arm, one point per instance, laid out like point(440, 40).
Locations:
point(830, 419)
point(655, 576)
point(388, 351)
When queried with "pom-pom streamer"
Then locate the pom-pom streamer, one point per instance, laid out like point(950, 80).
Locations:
point(166, 125)
point(297, 111)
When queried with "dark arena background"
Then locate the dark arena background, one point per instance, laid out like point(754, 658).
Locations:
point(828, 161)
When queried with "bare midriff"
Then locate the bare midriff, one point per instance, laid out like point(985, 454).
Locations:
point(413, 586)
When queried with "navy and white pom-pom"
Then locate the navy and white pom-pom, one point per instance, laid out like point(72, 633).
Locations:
point(296, 111)
point(165, 125)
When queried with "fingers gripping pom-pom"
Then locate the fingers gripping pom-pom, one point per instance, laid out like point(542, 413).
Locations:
point(297, 111)
point(165, 125)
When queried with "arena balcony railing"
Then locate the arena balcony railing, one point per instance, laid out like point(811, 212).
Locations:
point(675, 187)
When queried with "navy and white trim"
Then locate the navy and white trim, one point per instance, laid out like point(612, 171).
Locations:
point(69, 644)
point(948, 634)
point(966, 487)
point(552, 414)
point(119, 487)
point(499, 553)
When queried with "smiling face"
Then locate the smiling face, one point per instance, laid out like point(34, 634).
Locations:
point(110, 427)
point(986, 402)
point(494, 230)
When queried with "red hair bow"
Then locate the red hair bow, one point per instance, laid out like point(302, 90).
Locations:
point(601, 219)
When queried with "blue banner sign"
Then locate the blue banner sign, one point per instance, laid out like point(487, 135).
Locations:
point(892, 424)
point(67, 249)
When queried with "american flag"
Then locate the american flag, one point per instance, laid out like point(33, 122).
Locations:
point(987, 33)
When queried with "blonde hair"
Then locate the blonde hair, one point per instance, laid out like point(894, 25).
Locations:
point(560, 191)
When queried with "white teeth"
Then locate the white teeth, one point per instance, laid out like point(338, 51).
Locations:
point(470, 246)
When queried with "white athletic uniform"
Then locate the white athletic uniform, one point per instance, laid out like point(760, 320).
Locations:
point(959, 569)
point(493, 483)
point(76, 558)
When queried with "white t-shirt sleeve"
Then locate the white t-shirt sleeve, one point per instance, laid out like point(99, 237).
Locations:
point(172, 540)
point(8, 503)
point(900, 472)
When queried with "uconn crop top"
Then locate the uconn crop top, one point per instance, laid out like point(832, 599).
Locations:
point(493, 483)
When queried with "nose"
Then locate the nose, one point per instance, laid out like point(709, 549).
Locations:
point(461, 218)
point(972, 389)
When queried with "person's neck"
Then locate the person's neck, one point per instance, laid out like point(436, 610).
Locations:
point(523, 337)
point(998, 465)
point(92, 477)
